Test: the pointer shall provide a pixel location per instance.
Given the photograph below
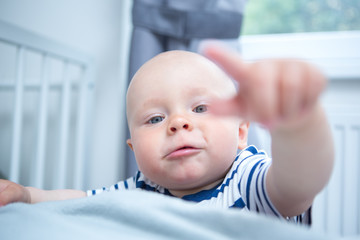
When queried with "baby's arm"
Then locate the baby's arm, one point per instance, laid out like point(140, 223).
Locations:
point(11, 192)
point(303, 158)
point(283, 96)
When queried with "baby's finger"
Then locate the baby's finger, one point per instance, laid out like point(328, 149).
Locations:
point(230, 61)
point(316, 82)
point(262, 92)
point(230, 107)
point(292, 90)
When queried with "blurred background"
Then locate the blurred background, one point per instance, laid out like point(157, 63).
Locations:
point(275, 16)
point(81, 123)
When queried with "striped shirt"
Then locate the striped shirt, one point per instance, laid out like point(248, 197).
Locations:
point(243, 187)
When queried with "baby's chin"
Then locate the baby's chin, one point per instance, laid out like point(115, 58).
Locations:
point(192, 188)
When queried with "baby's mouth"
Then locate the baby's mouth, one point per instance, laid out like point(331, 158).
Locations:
point(182, 152)
point(186, 147)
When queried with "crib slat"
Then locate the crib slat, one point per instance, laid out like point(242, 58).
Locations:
point(351, 166)
point(357, 184)
point(18, 112)
point(335, 187)
point(81, 121)
point(42, 127)
point(64, 129)
point(319, 210)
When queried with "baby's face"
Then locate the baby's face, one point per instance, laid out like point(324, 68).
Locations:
point(177, 143)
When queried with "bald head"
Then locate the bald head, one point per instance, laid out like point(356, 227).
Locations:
point(175, 69)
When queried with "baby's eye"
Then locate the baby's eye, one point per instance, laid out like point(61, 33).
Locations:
point(156, 119)
point(200, 109)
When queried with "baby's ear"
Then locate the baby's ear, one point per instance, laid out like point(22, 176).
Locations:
point(243, 134)
point(129, 144)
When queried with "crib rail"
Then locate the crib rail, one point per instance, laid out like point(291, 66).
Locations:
point(336, 210)
point(74, 76)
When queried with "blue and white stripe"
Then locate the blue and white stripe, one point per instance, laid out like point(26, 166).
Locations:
point(243, 187)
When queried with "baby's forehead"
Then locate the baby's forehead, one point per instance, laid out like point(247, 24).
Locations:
point(177, 69)
point(177, 65)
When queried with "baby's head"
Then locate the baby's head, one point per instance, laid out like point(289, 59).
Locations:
point(177, 142)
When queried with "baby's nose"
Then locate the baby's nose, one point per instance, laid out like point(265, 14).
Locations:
point(179, 123)
point(185, 126)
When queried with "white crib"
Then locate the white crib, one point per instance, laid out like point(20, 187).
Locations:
point(45, 100)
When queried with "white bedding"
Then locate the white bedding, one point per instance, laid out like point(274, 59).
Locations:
point(140, 215)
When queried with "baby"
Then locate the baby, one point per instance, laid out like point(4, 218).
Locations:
point(188, 119)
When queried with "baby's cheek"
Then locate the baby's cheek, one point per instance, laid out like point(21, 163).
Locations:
point(141, 151)
point(226, 139)
point(147, 158)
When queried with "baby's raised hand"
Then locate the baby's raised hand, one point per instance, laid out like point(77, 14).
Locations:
point(272, 92)
point(11, 192)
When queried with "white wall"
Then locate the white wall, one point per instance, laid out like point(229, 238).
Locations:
point(100, 29)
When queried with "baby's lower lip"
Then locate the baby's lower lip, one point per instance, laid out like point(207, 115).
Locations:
point(183, 152)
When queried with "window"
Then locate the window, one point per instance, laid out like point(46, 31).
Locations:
point(290, 16)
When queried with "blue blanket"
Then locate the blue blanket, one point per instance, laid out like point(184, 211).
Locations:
point(140, 215)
